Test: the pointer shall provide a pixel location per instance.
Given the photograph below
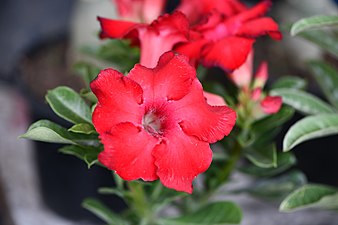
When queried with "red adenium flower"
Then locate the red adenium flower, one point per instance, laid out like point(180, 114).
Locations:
point(154, 39)
point(196, 9)
point(226, 41)
point(140, 10)
point(156, 124)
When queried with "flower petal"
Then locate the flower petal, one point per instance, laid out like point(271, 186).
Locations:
point(161, 36)
point(261, 75)
point(115, 28)
point(179, 158)
point(119, 100)
point(254, 12)
point(242, 75)
point(170, 79)
point(207, 123)
point(271, 104)
point(213, 99)
point(128, 151)
point(228, 53)
point(258, 27)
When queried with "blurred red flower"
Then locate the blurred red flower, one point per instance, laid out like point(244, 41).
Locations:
point(226, 41)
point(140, 10)
point(154, 39)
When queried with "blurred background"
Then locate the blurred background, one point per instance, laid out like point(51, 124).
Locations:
point(40, 40)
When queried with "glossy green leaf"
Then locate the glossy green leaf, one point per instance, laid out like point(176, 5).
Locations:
point(327, 78)
point(303, 102)
point(311, 196)
point(313, 22)
point(265, 157)
point(89, 95)
point(68, 104)
point(271, 122)
point(292, 82)
point(88, 155)
point(276, 187)
point(310, 127)
point(83, 128)
point(323, 39)
point(47, 131)
point(103, 212)
point(284, 161)
point(216, 213)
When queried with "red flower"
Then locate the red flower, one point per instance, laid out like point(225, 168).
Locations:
point(156, 124)
point(196, 9)
point(154, 39)
point(140, 10)
point(226, 41)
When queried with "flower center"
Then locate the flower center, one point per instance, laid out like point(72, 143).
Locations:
point(152, 123)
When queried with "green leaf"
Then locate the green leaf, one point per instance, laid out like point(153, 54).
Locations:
point(116, 52)
point(284, 161)
point(310, 127)
point(311, 196)
point(276, 187)
point(313, 22)
point(68, 104)
point(88, 155)
point(325, 40)
point(292, 82)
point(216, 213)
point(47, 131)
point(302, 101)
point(83, 128)
point(103, 212)
point(87, 71)
point(327, 78)
point(265, 157)
point(89, 95)
point(271, 122)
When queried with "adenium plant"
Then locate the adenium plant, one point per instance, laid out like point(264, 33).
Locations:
point(162, 126)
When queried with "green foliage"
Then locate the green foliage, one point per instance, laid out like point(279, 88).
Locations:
point(327, 78)
point(118, 53)
point(303, 102)
point(264, 156)
point(47, 131)
point(325, 40)
point(103, 212)
point(276, 187)
point(216, 213)
point(284, 162)
point(309, 128)
point(87, 71)
point(87, 154)
point(83, 128)
point(311, 196)
point(289, 82)
point(313, 22)
point(69, 105)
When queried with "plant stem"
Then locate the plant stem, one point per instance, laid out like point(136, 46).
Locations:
point(230, 165)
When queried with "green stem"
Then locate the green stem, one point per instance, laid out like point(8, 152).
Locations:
point(230, 165)
point(140, 204)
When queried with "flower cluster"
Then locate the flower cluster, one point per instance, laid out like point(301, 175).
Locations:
point(156, 122)
point(252, 99)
